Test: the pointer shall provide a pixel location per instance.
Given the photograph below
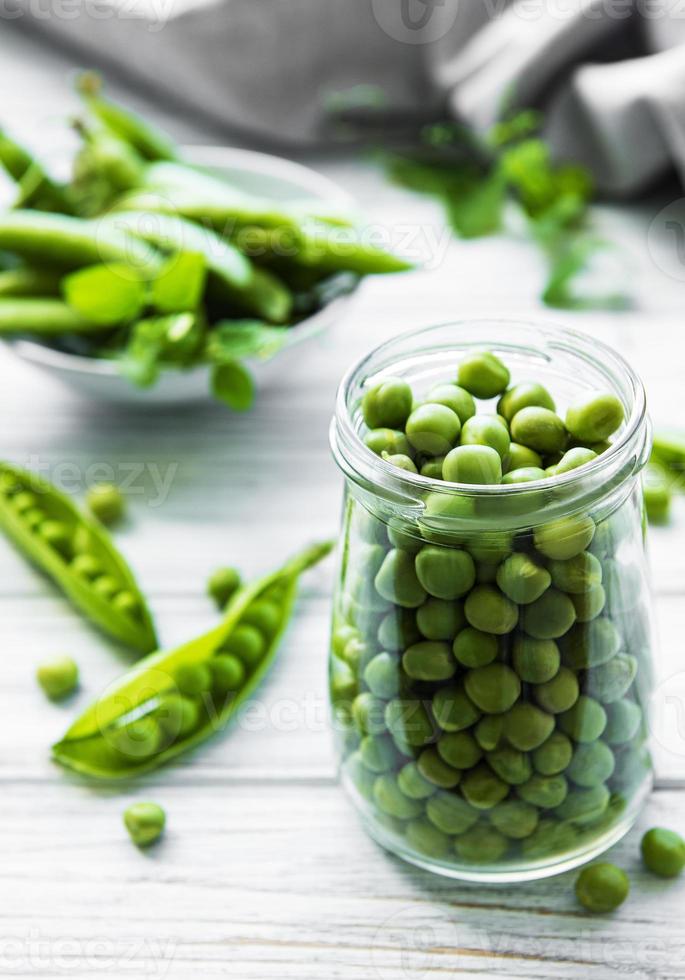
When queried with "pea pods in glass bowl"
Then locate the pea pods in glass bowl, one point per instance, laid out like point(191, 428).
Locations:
point(77, 553)
point(491, 647)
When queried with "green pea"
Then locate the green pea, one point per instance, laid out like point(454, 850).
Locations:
point(391, 800)
point(594, 416)
point(591, 644)
point(433, 429)
point(222, 584)
point(434, 768)
point(482, 788)
point(125, 602)
point(591, 764)
point(535, 661)
point(473, 648)
point(106, 586)
point(378, 753)
point(453, 709)
point(565, 537)
point(87, 566)
point(401, 461)
point(585, 721)
point(144, 822)
point(445, 573)
point(656, 494)
point(559, 694)
point(579, 574)
point(440, 619)
point(488, 610)
point(492, 546)
point(549, 617)
point(140, 739)
point(409, 722)
point(381, 676)
point(459, 749)
point(526, 394)
point(494, 689)
point(265, 615)
point(398, 630)
point(489, 732)
point(573, 458)
point(105, 501)
point(363, 780)
point(623, 721)
point(554, 755)
point(342, 634)
point(24, 501)
point(450, 813)
point(458, 399)
point(590, 604)
point(540, 429)
point(391, 441)
point(521, 579)
point(526, 726)
point(246, 643)
point(511, 765)
point(57, 535)
point(177, 715)
point(472, 465)
point(521, 458)
point(193, 679)
point(429, 660)
point(432, 468)
point(413, 784)
point(368, 714)
point(405, 538)
point(584, 806)
point(388, 404)
point(546, 792)
point(514, 818)
point(663, 852)
point(228, 673)
point(525, 474)
point(483, 374)
point(58, 677)
point(482, 845)
point(486, 430)
point(612, 680)
point(397, 581)
point(427, 839)
point(356, 653)
point(34, 518)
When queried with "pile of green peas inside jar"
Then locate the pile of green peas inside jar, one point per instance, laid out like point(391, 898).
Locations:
point(489, 690)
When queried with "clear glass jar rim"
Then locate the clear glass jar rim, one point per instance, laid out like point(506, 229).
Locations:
point(363, 466)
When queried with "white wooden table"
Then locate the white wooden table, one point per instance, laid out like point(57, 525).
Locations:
point(264, 871)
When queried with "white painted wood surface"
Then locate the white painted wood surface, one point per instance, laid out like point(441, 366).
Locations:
point(264, 872)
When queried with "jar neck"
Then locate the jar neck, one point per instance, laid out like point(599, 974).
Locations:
point(421, 357)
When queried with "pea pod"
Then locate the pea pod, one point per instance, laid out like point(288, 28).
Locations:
point(173, 700)
point(76, 553)
point(43, 316)
point(26, 281)
point(60, 241)
point(232, 275)
point(35, 186)
point(149, 142)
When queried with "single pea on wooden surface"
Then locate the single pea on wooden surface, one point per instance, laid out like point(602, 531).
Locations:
point(663, 852)
point(144, 822)
point(106, 502)
point(602, 887)
point(58, 677)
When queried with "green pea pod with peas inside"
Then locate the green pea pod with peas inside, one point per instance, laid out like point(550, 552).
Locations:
point(173, 700)
point(77, 554)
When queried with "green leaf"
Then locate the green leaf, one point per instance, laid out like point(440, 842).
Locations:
point(105, 294)
point(233, 385)
point(180, 283)
point(177, 339)
point(231, 339)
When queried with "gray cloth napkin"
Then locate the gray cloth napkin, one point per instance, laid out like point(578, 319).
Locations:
point(609, 74)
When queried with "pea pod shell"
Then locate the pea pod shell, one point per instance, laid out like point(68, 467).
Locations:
point(84, 747)
point(138, 634)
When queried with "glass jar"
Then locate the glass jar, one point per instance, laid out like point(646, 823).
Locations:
point(551, 765)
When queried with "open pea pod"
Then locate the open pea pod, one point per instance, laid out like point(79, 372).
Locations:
point(173, 700)
point(77, 553)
